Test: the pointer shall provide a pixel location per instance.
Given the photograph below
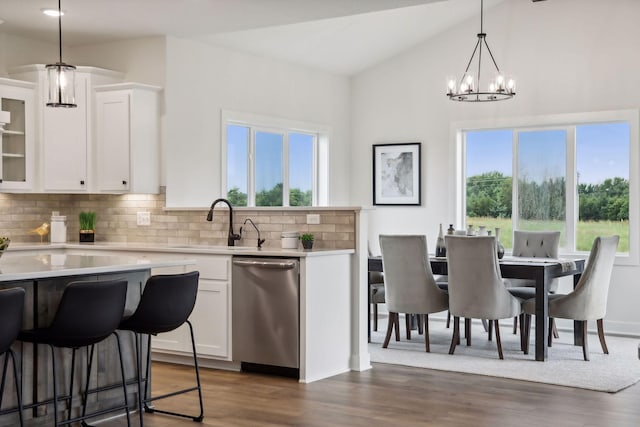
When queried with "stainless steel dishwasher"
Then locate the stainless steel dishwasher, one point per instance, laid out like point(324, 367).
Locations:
point(266, 314)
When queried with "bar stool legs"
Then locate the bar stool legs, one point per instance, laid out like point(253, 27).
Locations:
point(144, 396)
point(10, 353)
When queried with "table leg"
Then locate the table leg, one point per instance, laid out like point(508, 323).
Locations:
point(577, 325)
point(368, 307)
point(542, 314)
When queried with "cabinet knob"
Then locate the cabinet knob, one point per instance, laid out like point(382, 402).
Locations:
point(124, 182)
point(82, 182)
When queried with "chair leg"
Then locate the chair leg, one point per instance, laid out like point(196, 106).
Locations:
point(420, 324)
point(124, 380)
point(390, 327)
point(522, 331)
point(426, 333)
point(550, 332)
point(527, 332)
point(603, 344)
point(138, 341)
point(55, 386)
point(456, 334)
point(486, 325)
point(73, 368)
point(467, 330)
point(556, 335)
point(448, 319)
point(490, 331)
point(17, 385)
point(585, 341)
point(86, 388)
point(515, 325)
point(397, 327)
point(375, 317)
point(195, 363)
point(407, 322)
point(4, 376)
point(497, 327)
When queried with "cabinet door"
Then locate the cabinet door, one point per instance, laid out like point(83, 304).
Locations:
point(210, 318)
point(65, 144)
point(16, 142)
point(113, 140)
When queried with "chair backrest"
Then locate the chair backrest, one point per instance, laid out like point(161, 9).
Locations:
point(588, 301)
point(535, 244)
point(408, 280)
point(11, 308)
point(89, 311)
point(166, 303)
point(543, 244)
point(476, 289)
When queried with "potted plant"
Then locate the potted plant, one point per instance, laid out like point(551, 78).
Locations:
point(87, 226)
point(307, 240)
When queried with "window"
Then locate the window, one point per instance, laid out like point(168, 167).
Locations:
point(272, 162)
point(574, 178)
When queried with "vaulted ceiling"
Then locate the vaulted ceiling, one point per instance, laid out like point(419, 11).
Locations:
point(341, 36)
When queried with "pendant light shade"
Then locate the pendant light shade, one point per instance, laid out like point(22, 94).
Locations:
point(61, 76)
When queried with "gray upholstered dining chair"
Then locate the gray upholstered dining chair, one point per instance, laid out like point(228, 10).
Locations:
point(533, 244)
point(476, 288)
point(588, 301)
point(409, 283)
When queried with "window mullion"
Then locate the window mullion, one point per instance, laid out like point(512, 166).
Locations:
point(571, 190)
point(251, 170)
point(515, 210)
point(285, 169)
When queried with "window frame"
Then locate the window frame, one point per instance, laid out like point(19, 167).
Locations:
point(558, 121)
point(258, 123)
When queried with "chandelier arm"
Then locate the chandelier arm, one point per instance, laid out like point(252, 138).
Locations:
point(471, 59)
point(479, 65)
point(491, 54)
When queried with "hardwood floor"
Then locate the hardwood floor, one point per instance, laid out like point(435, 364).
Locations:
point(387, 395)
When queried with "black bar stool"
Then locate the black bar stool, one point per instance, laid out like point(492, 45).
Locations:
point(166, 303)
point(11, 308)
point(89, 312)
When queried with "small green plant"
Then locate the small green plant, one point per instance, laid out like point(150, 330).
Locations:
point(87, 220)
point(307, 237)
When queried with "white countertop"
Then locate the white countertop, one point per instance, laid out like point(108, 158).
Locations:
point(42, 266)
point(180, 249)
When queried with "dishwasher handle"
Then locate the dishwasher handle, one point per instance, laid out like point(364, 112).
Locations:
point(277, 265)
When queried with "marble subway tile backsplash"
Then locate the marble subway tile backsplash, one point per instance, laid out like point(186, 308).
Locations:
point(117, 221)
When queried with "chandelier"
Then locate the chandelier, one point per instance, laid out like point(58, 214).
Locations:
point(468, 88)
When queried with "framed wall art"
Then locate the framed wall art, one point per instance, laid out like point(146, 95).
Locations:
point(396, 174)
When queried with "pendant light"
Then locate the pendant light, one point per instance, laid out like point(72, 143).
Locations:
point(61, 77)
point(468, 88)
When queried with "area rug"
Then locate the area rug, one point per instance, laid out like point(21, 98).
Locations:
point(564, 366)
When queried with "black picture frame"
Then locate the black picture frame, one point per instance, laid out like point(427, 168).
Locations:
point(397, 174)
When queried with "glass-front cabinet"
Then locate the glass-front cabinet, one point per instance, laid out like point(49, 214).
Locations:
point(16, 147)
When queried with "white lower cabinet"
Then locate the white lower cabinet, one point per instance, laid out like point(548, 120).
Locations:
point(211, 316)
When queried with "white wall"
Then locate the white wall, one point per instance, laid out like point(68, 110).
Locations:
point(15, 50)
point(569, 56)
point(203, 80)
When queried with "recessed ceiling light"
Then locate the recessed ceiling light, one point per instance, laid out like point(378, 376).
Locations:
point(52, 12)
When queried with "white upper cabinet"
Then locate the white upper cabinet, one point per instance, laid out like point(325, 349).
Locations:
point(65, 135)
point(128, 138)
point(17, 141)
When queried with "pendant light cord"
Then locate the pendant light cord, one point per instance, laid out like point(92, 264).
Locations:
point(60, 29)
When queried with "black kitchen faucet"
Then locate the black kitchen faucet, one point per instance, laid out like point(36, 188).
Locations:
point(232, 237)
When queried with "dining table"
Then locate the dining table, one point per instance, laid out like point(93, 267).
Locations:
point(541, 270)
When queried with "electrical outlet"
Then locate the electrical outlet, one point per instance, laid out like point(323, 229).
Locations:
point(144, 218)
point(313, 218)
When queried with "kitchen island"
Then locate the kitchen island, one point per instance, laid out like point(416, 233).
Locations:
point(44, 277)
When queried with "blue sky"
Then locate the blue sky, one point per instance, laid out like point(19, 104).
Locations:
point(269, 159)
point(602, 152)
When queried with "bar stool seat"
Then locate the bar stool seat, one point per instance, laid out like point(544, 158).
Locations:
point(88, 313)
point(165, 304)
point(11, 308)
